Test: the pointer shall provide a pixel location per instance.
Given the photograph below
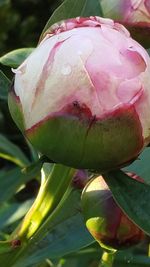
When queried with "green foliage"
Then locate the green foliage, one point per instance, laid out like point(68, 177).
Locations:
point(22, 21)
point(58, 239)
point(141, 166)
point(11, 213)
point(133, 197)
point(62, 239)
point(11, 152)
point(74, 8)
point(4, 86)
point(15, 58)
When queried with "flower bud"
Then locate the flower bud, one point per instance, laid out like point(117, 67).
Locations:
point(104, 218)
point(134, 14)
point(83, 96)
point(80, 179)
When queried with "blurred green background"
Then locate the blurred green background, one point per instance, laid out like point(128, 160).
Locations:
point(21, 22)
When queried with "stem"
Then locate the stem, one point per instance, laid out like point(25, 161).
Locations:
point(107, 259)
point(148, 250)
point(52, 191)
point(53, 220)
point(47, 226)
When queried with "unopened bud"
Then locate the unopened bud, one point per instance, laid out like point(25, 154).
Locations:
point(105, 220)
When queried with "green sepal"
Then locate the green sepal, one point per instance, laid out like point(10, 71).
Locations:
point(99, 145)
point(16, 110)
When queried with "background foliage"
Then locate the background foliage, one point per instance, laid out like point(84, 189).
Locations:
point(21, 24)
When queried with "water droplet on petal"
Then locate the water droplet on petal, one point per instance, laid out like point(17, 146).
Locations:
point(78, 19)
point(66, 70)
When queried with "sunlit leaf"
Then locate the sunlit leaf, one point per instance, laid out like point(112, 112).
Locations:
point(65, 234)
point(16, 57)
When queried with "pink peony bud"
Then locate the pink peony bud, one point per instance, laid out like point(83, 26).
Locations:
point(83, 96)
point(107, 223)
point(134, 14)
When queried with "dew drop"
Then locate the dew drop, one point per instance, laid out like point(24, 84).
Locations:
point(66, 70)
point(78, 19)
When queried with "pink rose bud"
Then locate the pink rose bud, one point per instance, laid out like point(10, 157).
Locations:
point(107, 223)
point(83, 96)
point(134, 14)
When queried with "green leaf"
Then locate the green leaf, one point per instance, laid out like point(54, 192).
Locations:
point(134, 261)
point(132, 196)
point(111, 9)
point(11, 180)
point(141, 166)
point(74, 8)
point(133, 257)
point(92, 8)
point(16, 57)
point(68, 237)
point(12, 212)
point(65, 234)
point(4, 86)
point(9, 183)
point(12, 152)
